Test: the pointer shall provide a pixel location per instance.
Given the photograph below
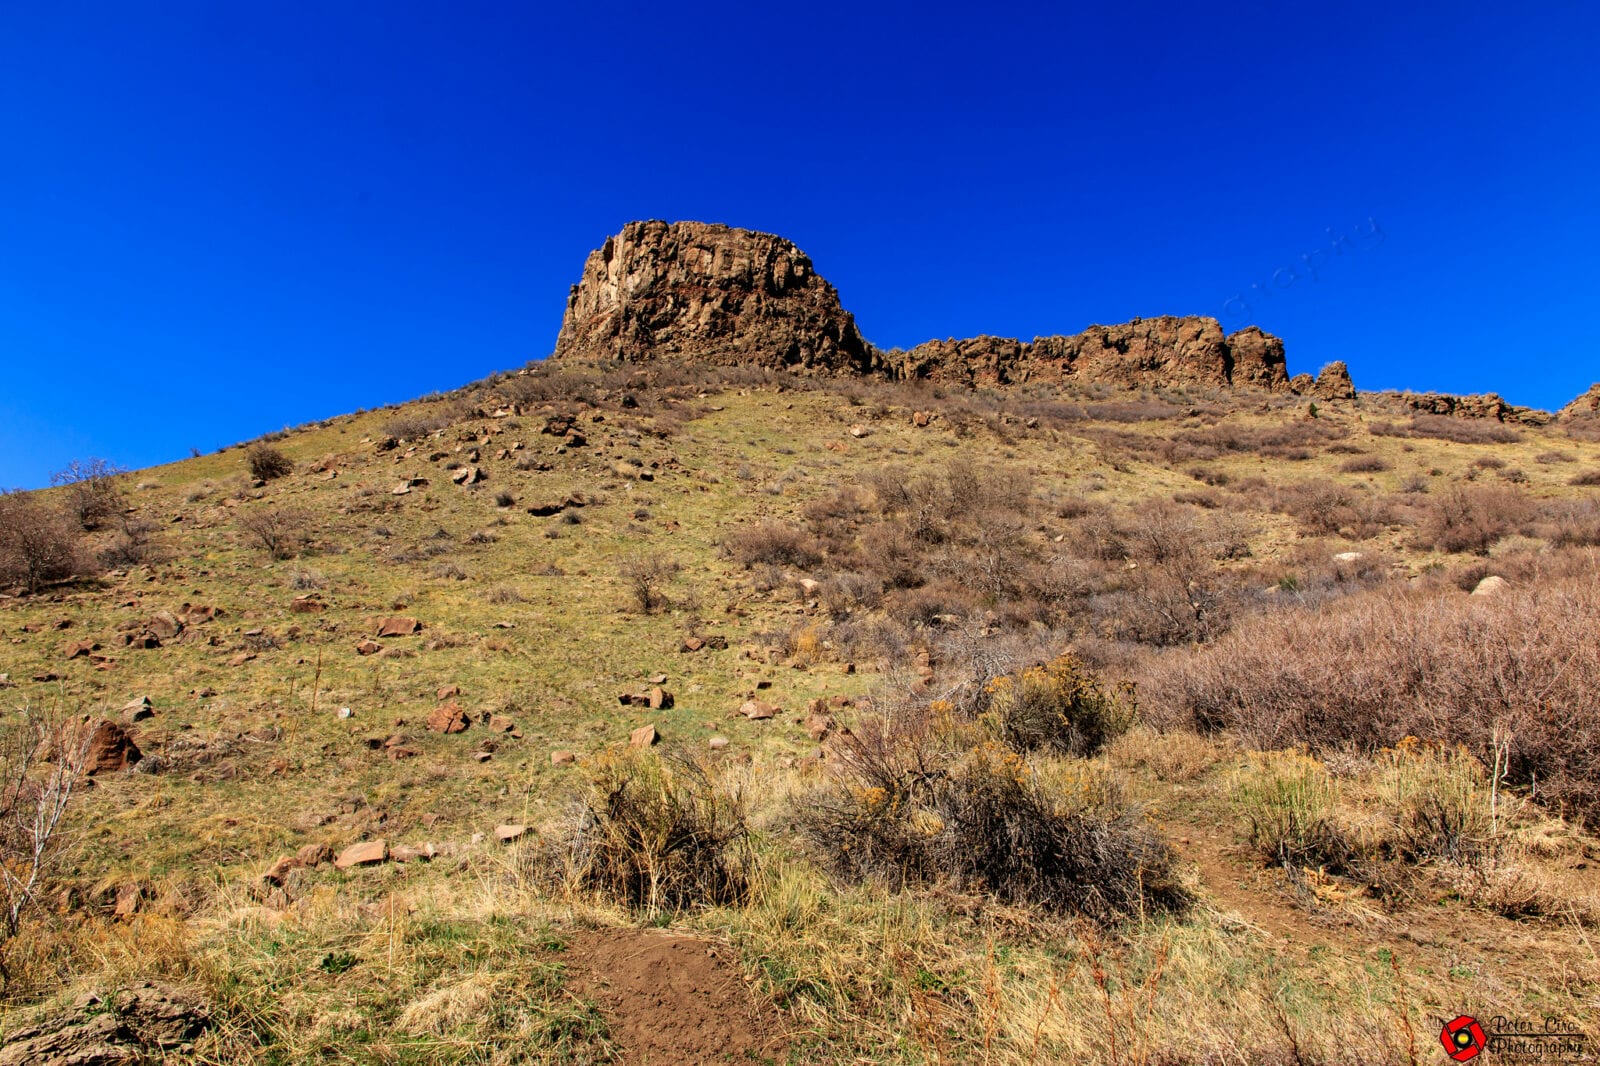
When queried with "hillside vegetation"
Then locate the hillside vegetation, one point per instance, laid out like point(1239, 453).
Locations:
point(1058, 723)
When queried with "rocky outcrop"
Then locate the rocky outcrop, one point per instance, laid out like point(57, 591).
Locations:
point(1586, 405)
point(1486, 405)
point(729, 296)
point(1146, 351)
point(722, 295)
point(1333, 383)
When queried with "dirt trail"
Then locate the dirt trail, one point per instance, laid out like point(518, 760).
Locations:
point(673, 999)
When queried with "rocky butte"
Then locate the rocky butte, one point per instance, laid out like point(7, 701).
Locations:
point(716, 294)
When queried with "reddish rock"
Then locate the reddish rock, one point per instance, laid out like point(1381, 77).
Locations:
point(313, 855)
point(163, 625)
point(499, 723)
point(110, 749)
point(448, 692)
point(818, 726)
point(562, 758)
point(757, 710)
point(366, 853)
point(278, 871)
point(79, 649)
point(505, 834)
point(307, 605)
point(398, 626)
point(643, 737)
point(691, 644)
point(368, 647)
point(920, 419)
point(130, 898)
point(659, 699)
point(448, 718)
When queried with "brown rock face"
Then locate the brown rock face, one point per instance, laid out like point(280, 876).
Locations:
point(1584, 406)
point(1146, 351)
point(110, 750)
point(722, 295)
point(1333, 383)
point(448, 718)
point(728, 296)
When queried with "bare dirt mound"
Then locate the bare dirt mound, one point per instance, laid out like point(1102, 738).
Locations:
point(674, 999)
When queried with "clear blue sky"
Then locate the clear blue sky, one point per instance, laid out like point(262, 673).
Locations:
point(220, 219)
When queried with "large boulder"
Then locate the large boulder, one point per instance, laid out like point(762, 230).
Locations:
point(718, 294)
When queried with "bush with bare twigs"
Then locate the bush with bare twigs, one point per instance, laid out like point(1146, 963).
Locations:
point(281, 532)
point(91, 489)
point(39, 542)
point(646, 578)
point(267, 462)
point(41, 762)
point(1375, 667)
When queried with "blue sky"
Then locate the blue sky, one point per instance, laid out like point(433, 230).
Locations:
point(220, 219)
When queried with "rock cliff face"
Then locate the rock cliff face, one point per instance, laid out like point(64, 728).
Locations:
point(1146, 351)
point(718, 294)
point(1585, 405)
point(730, 296)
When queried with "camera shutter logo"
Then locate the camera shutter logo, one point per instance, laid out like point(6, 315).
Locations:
point(1463, 1038)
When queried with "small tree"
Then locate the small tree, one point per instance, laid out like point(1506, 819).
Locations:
point(267, 462)
point(39, 543)
point(41, 760)
point(281, 531)
point(92, 492)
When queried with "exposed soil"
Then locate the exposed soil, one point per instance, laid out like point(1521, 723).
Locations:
point(673, 999)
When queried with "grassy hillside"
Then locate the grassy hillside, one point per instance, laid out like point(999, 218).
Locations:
point(1286, 790)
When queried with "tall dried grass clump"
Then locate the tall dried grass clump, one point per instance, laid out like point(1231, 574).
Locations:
point(657, 833)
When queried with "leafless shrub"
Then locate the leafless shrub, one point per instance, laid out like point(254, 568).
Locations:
point(1551, 457)
point(134, 543)
point(1472, 519)
point(1365, 464)
point(267, 462)
point(39, 542)
point(646, 578)
point(41, 761)
point(1326, 508)
point(1370, 669)
point(448, 571)
point(502, 595)
point(1587, 479)
point(92, 492)
point(282, 532)
point(1443, 427)
point(772, 543)
point(414, 425)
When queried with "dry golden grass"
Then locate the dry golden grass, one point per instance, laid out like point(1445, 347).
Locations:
point(1039, 536)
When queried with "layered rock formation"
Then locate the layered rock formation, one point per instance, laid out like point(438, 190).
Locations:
point(1585, 405)
point(729, 296)
point(1146, 351)
point(722, 295)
